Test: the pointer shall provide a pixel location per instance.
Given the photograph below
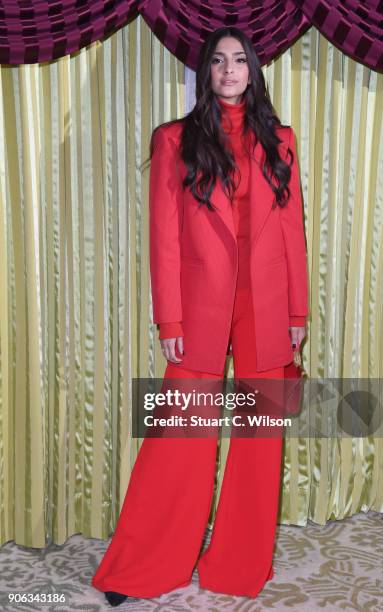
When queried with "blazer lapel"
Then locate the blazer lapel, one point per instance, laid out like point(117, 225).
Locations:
point(261, 194)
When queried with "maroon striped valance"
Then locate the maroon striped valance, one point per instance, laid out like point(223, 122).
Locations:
point(34, 31)
point(182, 25)
point(355, 27)
point(42, 30)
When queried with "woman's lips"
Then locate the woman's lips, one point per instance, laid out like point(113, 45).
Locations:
point(229, 82)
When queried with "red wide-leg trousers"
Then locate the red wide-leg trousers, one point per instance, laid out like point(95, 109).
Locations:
point(159, 533)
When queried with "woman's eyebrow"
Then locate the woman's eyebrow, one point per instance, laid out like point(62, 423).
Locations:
point(221, 53)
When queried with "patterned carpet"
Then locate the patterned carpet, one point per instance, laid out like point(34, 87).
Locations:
point(337, 566)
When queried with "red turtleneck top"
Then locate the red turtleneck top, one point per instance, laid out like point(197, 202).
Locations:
point(232, 123)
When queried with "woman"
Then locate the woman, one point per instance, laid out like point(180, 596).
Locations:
point(228, 272)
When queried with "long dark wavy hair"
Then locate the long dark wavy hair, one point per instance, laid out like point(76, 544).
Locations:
point(202, 145)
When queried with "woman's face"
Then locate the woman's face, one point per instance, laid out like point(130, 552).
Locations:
point(229, 70)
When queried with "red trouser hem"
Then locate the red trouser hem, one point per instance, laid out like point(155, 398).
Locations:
point(219, 589)
point(118, 588)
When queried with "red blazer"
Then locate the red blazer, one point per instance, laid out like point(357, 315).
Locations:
point(194, 258)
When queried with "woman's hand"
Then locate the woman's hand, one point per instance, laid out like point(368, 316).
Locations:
point(168, 346)
point(297, 334)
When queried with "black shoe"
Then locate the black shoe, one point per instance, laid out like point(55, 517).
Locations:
point(115, 599)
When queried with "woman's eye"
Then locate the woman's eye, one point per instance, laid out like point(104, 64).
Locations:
point(217, 59)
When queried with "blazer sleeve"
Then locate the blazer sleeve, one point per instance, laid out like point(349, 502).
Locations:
point(170, 330)
point(297, 321)
point(165, 208)
point(291, 217)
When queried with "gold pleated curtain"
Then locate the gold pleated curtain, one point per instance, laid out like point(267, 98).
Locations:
point(75, 309)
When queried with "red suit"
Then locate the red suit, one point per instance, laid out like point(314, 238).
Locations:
point(237, 275)
point(194, 258)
